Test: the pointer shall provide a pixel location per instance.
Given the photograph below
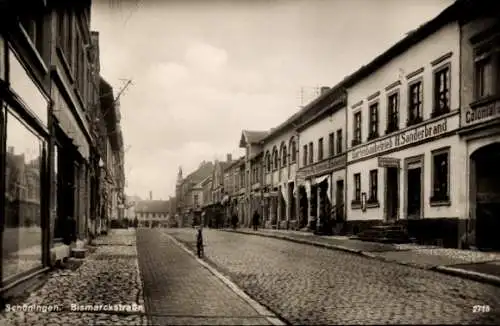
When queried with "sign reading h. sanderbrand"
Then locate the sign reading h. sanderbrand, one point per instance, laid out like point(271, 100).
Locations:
point(407, 137)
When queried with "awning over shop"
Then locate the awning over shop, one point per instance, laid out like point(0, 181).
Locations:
point(284, 191)
point(69, 125)
point(328, 179)
point(308, 188)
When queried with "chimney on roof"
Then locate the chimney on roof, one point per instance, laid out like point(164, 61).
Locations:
point(229, 157)
point(150, 195)
point(323, 90)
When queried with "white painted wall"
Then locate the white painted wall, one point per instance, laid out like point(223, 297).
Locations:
point(320, 129)
point(458, 181)
point(420, 55)
point(286, 174)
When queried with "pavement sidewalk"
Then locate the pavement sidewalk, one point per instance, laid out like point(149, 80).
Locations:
point(105, 288)
point(480, 266)
point(181, 289)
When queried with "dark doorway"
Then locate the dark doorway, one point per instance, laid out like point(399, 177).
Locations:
point(313, 206)
point(292, 202)
point(304, 207)
point(487, 196)
point(392, 195)
point(414, 193)
point(339, 201)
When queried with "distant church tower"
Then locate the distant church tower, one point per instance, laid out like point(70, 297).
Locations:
point(178, 185)
point(179, 176)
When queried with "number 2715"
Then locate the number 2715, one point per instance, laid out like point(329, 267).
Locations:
point(481, 308)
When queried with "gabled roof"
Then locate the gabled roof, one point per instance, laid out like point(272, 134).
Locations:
point(201, 173)
point(252, 137)
point(152, 206)
point(235, 163)
point(207, 180)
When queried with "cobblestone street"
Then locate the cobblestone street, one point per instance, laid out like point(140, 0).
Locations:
point(180, 291)
point(109, 276)
point(310, 285)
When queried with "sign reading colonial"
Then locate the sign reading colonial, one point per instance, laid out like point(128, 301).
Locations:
point(407, 137)
point(322, 167)
point(481, 114)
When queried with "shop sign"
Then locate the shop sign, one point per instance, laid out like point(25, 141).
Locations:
point(407, 137)
point(481, 114)
point(322, 167)
point(388, 162)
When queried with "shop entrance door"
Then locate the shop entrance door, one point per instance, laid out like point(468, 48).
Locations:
point(414, 192)
point(339, 200)
point(487, 196)
point(392, 194)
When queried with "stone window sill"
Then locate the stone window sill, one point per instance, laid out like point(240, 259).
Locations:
point(484, 101)
point(439, 202)
point(356, 204)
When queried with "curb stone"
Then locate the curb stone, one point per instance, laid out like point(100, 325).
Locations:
point(263, 311)
point(470, 275)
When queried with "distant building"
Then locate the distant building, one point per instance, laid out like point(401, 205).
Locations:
point(188, 193)
point(152, 213)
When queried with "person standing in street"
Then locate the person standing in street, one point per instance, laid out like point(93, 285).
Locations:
point(255, 220)
point(234, 221)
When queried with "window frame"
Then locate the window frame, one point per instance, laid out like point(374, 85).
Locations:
point(320, 149)
point(305, 155)
point(488, 50)
point(436, 111)
point(331, 144)
point(357, 187)
point(340, 148)
point(283, 155)
point(293, 151)
point(275, 158)
point(393, 126)
point(419, 84)
point(373, 134)
point(357, 129)
point(436, 199)
point(311, 152)
point(373, 197)
point(268, 162)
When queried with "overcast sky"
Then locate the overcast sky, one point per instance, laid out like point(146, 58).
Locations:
point(204, 70)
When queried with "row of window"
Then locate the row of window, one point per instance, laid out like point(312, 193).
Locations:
point(415, 106)
point(256, 174)
point(280, 159)
point(487, 69)
point(70, 42)
point(440, 180)
point(334, 148)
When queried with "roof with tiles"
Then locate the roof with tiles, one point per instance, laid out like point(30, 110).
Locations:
point(252, 137)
